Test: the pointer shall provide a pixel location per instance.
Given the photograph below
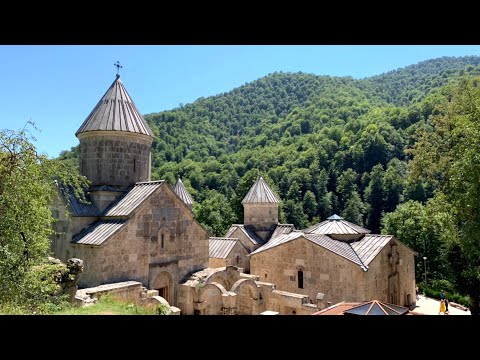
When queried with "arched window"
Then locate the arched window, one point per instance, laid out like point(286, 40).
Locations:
point(163, 235)
point(300, 279)
point(238, 259)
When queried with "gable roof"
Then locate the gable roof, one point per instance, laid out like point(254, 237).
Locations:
point(74, 205)
point(182, 192)
point(279, 240)
point(340, 248)
point(116, 111)
point(260, 192)
point(282, 229)
point(336, 225)
point(247, 230)
point(132, 199)
point(98, 232)
point(370, 246)
point(220, 248)
point(360, 252)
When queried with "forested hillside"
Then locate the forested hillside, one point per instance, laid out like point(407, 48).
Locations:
point(325, 144)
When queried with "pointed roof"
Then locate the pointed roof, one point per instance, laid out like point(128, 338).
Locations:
point(376, 307)
point(335, 225)
point(116, 111)
point(260, 192)
point(182, 192)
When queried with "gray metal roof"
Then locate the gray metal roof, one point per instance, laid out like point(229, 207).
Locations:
point(338, 247)
point(279, 240)
point(260, 192)
point(116, 111)
point(282, 229)
point(75, 206)
point(335, 225)
point(133, 198)
point(182, 192)
point(220, 248)
point(359, 252)
point(98, 232)
point(247, 230)
point(370, 246)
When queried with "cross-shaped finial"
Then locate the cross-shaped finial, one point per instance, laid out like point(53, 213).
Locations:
point(118, 66)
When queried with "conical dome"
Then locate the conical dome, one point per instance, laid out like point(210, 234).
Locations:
point(116, 111)
point(260, 192)
point(182, 192)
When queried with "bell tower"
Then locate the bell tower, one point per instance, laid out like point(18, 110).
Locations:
point(115, 144)
point(260, 209)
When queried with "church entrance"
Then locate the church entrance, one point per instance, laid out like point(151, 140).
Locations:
point(163, 283)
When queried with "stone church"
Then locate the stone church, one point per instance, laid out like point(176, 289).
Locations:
point(329, 262)
point(133, 228)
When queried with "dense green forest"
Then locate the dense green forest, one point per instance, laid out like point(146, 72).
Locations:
point(325, 144)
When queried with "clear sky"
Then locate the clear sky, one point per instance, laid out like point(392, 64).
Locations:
point(56, 86)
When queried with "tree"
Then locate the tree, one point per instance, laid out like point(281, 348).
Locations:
point(215, 213)
point(425, 229)
point(447, 156)
point(354, 209)
point(393, 183)
point(374, 199)
point(26, 190)
point(346, 184)
point(310, 204)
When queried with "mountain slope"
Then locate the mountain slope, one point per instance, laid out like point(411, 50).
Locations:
point(326, 144)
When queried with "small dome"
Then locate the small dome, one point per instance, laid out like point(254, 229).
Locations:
point(116, 111)
point(260, 192)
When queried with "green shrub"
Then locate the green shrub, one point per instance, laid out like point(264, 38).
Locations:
point(452, 297)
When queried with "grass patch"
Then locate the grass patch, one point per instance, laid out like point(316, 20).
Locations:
point(108, 305)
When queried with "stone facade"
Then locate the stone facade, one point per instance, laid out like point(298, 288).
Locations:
point(263, 217)
point(155, 238)
point(303, 267)
point(238, 256)
point(135, 252)
point(115, 158)
point(391, 276)
point(228, 291)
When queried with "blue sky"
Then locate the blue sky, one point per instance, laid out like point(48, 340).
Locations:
point(56, 86)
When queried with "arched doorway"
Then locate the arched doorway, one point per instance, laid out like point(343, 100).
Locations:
point(164, 284)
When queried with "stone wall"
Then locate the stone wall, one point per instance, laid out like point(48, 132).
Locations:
point(115, 158)
point(64, 228)
point(227, 291)
point(323, 271)
point(237, 257)
point(260, 216)
point(244, 239)
point(136, 252)
point(389, 282)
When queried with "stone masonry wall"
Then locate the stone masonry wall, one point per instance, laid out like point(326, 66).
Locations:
point(376, 284)
point(260, 216)
point(117, 159)
point(136, 252)
point(237, 251)
point(323, 271)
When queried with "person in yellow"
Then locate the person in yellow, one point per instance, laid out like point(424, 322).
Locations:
point(442, 307)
